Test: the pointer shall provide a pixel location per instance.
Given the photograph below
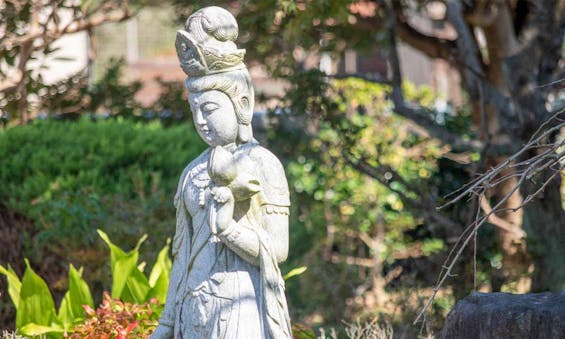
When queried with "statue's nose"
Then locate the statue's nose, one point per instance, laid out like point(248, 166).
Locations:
point(199, 119)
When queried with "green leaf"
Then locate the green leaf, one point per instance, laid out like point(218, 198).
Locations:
point(36, 303)
point(294, 272)
point(160, 275)
point(136, 288)
point(14, 284)
point(33, 329)
point(162, 264)
point(71, 309)
point(80, 292)
point(123, 265)
point(65, 314)
point(159, 290)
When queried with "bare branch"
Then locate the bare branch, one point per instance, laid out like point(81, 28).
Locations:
point(486, 180)
point(412, 111)
point(499, 222)
point(72, 27)
point(431, 46)
point(466, 48)
point(525, 170)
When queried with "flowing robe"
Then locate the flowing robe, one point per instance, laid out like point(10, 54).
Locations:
point(228, 285)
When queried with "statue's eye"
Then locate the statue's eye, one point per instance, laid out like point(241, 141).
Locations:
point(209, 107)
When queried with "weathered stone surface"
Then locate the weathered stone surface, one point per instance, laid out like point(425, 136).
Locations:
point(506, 315)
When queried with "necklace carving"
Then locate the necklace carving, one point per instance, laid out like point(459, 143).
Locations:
point(200, 178)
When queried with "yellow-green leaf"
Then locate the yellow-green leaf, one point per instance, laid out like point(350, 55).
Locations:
point(79, 294)
point(136, 287)
point(160, 275)
point(294, 272)
point(122, 263)
point(36, 303)
point(14, 284)
point(33, 329)
point(162, 265)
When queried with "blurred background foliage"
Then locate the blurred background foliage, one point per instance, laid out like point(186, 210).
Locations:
point(88, 152)
point(366, 250)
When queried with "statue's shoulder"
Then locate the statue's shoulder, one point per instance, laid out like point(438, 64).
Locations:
point(272, 176)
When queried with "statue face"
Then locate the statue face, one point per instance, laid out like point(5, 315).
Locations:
point(214, 117)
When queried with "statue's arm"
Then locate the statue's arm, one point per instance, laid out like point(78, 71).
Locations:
point(276, 225)
point(243, 238)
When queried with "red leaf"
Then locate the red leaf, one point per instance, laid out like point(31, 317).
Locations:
point(131, 327)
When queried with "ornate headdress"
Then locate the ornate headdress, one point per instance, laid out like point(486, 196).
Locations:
point(206, 45)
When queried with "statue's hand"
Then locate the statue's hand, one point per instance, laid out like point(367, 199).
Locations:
point(222, 194)
point(162, 332)
point(224, 205)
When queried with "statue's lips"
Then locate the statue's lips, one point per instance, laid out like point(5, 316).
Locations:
point(205, 131)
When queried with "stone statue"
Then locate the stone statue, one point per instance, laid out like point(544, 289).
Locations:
point(232, 201)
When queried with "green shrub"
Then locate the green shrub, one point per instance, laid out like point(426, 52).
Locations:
point(71, 178)
point(51, 161)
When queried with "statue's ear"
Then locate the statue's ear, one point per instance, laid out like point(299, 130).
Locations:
point(244, 133)
point(244, 102)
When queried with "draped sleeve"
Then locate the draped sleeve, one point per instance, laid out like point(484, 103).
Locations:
point(273, 179)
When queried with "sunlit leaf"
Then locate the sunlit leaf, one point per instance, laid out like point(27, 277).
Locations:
point(295, 272)
point(33, 329)
point(36, 303)
point(160, 275)
point(71, 309)
point(136, 287)
point(122, 263)
point(14, 284)
point(162, 265)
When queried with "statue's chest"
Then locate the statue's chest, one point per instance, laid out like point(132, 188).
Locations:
point(197, 189)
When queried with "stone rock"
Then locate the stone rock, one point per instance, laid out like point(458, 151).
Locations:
point(506, 315)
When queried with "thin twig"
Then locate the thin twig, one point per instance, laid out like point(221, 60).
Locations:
point(525, 170)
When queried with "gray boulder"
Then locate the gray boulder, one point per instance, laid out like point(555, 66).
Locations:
point(506, 315)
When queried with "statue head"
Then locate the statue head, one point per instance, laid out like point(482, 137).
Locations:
point(209, 56)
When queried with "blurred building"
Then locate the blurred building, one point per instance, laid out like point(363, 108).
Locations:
point(146, 43)
point(70, 55)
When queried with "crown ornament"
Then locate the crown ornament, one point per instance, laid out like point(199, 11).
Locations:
point(206, 45)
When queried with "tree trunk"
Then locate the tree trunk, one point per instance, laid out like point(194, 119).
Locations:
point(544, 221)
point(497, 26)
point(516, 263)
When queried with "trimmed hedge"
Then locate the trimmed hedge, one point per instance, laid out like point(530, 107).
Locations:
point(71, 178)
